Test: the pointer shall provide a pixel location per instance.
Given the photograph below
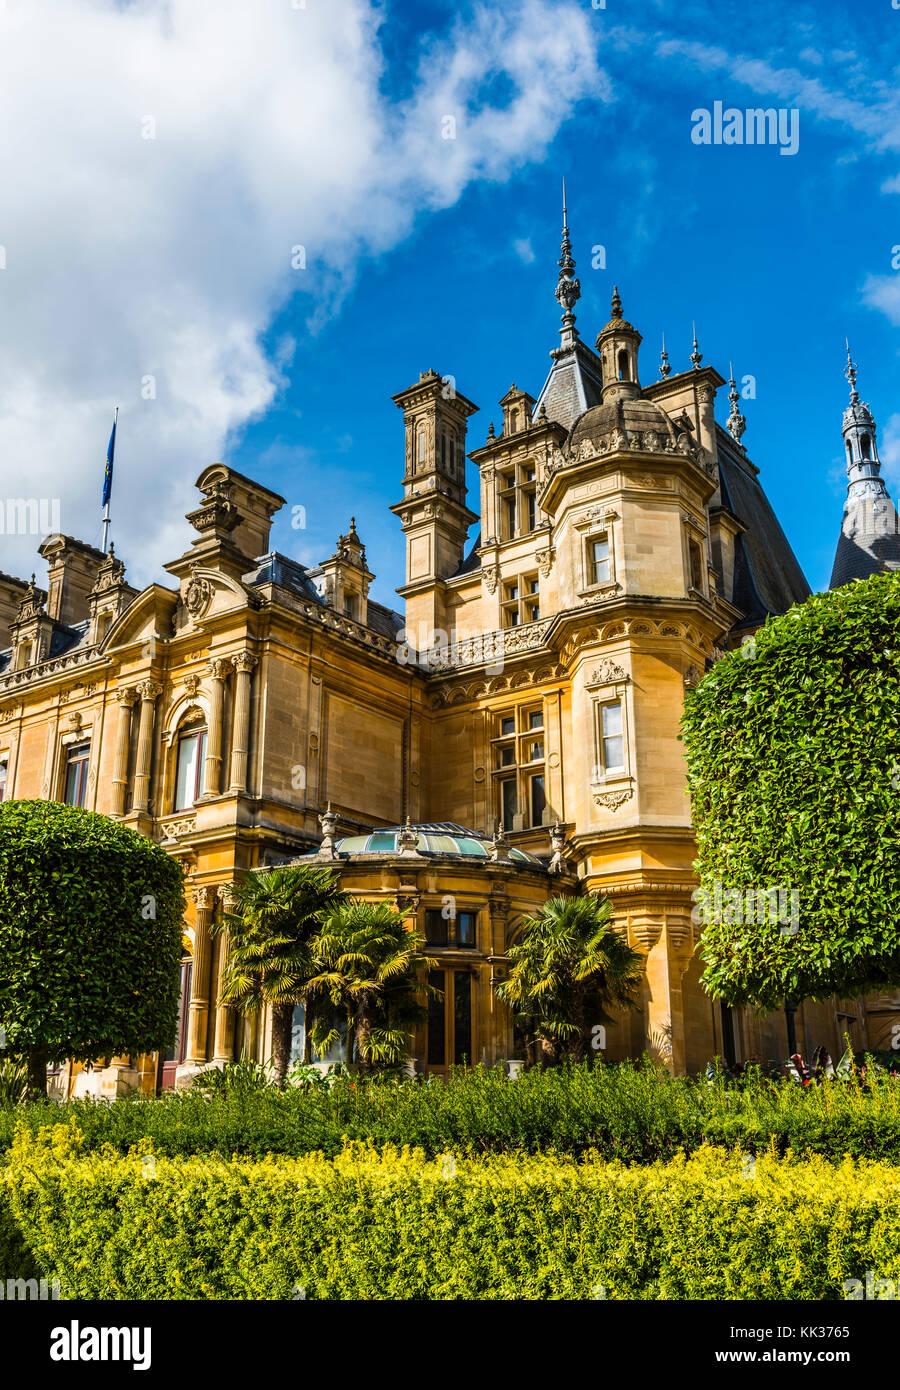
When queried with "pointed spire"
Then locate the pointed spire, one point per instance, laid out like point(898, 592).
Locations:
point(664, 368)
point(568, 289)
point(616, 307)
point(850, 372)
point(696, 355)
point(736, 422)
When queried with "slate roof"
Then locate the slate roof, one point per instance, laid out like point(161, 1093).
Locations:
point(767, 576)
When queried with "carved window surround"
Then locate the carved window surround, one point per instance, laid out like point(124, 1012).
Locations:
point(608, 683)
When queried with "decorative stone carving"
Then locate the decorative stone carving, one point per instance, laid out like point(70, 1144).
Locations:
point(611, 801)
point(197, 595)
point(500, 850)
point(244, 661)
point(545, 560)
point(192, 685)
point(76, 721)
point(328, 822)
point(491, 577)
point(557, 863)
point(692, 676)
point(408, 840)
point(607, 673)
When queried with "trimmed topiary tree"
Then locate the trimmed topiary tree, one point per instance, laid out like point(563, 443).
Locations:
point(793, 749)
point(91, 918)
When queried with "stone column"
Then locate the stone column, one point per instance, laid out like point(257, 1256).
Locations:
point(198, 1009)
point(149, 691)
point(223, 1050)
point(126, 699)
point(211, 781)
point(243, 664)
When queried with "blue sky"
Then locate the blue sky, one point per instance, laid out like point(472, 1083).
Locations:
point(423, 251)
point(770, 254)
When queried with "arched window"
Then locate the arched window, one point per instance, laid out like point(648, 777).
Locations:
point(866, 445)
point(189, 763)
point(623, 365)
point(849, 452)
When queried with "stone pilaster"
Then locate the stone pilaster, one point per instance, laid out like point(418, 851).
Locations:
point(218, 670)
point(243, 664)
point(126, 698)
point(149, 691)
point(223, 1047)
point(198, 1010)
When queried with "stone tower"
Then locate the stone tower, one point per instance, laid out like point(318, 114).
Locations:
point(869, 542)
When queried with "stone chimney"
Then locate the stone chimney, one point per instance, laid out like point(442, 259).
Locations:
point(73, 569)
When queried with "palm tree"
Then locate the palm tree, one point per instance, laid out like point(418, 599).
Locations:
point(567, 970)
point(270, 920)
point(367, 965)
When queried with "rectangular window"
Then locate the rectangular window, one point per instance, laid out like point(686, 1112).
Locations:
point(436, 1020)
point(536, 751)
point(598, 554)
point(507, 725)
point(189, 770)
point(536, 719)
point(4, 770)
point(509, 805)
point(77, 758)
point(462, 1017)
point(696, 565)
point(465, 929)
point(612, 740)
point(538, 799)
point(531, 504)
point(510, 514)
point(508, 756)
point(436, 925)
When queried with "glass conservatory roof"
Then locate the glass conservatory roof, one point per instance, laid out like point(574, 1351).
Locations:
point(436, 837)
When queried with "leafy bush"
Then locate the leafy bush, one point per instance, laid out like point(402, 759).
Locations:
point(90, 936)
point(633, 1113)
point(793, 749)
point(397, 1225)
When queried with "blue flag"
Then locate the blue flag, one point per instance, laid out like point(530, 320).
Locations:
point(107, 477)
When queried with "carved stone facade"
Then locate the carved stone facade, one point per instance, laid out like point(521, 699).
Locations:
point(257, 712)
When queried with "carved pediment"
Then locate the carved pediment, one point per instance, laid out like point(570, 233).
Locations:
point(607, 673)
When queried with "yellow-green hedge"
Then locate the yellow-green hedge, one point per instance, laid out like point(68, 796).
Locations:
point(397, 1225)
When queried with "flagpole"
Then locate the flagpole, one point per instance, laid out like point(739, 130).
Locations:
point(106, 504)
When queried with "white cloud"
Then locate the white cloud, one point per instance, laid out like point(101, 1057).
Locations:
point(883, 292)
point(524, 249)
point(129, 257)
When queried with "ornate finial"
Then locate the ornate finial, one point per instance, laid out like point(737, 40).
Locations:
point(500, 845)
point(568, 289)
point(112, 550)
point(616, 303)
point(328, 822)
point(664, 368)
point(542, 413)
point(696, 355)
point(850, 372)
point(408, 839)
point(491, 430)
point(736, 422)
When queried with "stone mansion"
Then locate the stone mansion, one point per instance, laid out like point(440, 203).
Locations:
point(514, 734)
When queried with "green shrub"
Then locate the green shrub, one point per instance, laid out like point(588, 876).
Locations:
point(398, 1225)
point(90, 936)
point(630, 1112)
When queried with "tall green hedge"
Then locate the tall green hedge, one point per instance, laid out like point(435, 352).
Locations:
point(633, 1113)
point(91, 918)
point(793, 749)
point(400, 1226)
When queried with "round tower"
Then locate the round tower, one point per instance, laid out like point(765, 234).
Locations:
point(618, 345)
